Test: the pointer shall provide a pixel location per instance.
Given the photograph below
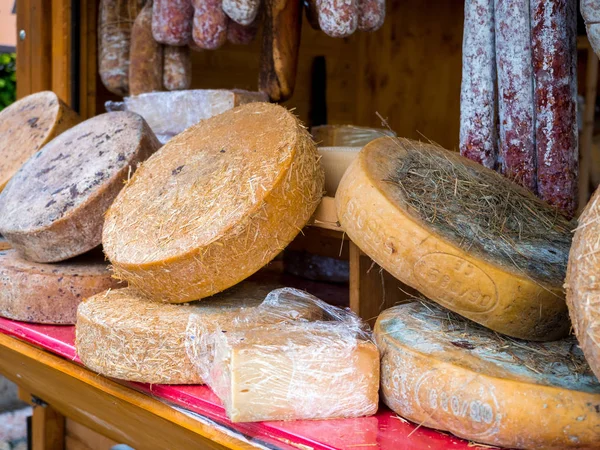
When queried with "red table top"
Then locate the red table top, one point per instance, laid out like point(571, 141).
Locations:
point(385, 430)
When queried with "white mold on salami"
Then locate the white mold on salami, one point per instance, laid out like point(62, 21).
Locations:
point(554, 45)
point(241, 11)
point(172, 21)
point(53, 208)
point(515, 92)
point(478, 137)
point(371, 14)
point(177, 69)
point(338, 18)
point(210, 24)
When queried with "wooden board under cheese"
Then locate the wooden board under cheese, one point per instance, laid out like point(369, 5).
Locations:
point(53, 208)
point(321, 369)
point(583, 282)
point(50, 293)
point(169, 113)
point(29, 124)
point(461, 234)
point(214, 204)
point(124, 335)
point(444, 372)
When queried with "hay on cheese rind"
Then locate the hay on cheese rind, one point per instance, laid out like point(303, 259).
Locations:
point(463, 235)
point(583, 282)
point(50, 293)
point(53, 208)
point(122, 334)
point(29, 124)
point(215, 204)
point(442, 371)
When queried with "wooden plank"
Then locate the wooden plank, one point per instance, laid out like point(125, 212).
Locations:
point(104, 406)
point(319, 241)
point(88, 58)
point(41, 45)
point(24, 48)
point(372, 289)
point(79, 437)
point(587, 133)
point(61, 50)
point(47, 429)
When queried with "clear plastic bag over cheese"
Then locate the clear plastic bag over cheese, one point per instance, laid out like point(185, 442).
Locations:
point(264, 369)
point(169, 113)
point(347, 135)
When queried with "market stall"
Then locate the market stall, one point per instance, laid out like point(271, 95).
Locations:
point(314, 225)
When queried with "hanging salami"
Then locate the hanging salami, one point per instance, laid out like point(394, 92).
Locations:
point(177, 69)
point(515, 92)
point(210, 24)
point(554, 52)
point(478, 137)
point(172, 21)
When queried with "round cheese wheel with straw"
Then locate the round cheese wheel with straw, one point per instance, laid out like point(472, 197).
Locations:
point(215, 204)
point(124, 335)
point(583, 282)
point(27, 125)
point(53, 208)
point(442, 371)
point(461, 234)
point(50, 293)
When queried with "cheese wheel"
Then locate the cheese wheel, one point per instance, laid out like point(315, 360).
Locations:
point(124, 335)
point(461, 234)
point(444, 372)
point(583, 282)
point(215, 204)
point(50, 293)
point(347, 135)
point(53, 208)
point(27, 125)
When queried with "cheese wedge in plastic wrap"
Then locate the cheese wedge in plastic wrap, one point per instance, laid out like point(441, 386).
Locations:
point(169, 113)
point(124, 335)
point(296, 370)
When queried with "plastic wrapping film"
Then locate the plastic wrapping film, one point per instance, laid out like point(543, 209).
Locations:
point(347, 135)
point(264, 369)
point(169, 113)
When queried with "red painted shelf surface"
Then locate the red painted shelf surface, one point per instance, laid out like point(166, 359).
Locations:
point(385, 430)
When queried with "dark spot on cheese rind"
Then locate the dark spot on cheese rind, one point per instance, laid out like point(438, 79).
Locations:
point(50, 203)
point(44, 171)
point(33, 122)
point(177, 170)
point(83, 136)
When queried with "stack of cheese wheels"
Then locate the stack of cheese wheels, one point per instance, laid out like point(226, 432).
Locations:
point(53, 208)
point(583, 282)
point(461, 234)
point(27, 125)
point(215, 204)
point(445, 372)
point(124, 335)
point(50, 293)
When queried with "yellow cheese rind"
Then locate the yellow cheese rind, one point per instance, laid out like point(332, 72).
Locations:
point(446, 373)
point(507, 299)
point(215, 204)
point(583, 282)
point(122, 334)
point(50, 293)
point(29, 124)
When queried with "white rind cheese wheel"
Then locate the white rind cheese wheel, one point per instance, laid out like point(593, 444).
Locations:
point(215, 204)
point(346, 135)
point(124, 335)
point(461, 234)
point(444, 372)
point(53, 208)
point(583, 282)
point(50, 293)
point(29, 124)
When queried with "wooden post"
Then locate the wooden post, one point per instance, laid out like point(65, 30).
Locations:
point(587, 133)
point(372, 289)
point(48, 429)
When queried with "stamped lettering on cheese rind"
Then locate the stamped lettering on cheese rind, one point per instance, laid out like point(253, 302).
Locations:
point(451, 276)
point(475, 405)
